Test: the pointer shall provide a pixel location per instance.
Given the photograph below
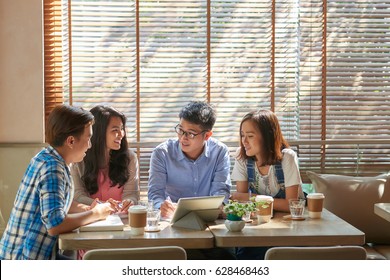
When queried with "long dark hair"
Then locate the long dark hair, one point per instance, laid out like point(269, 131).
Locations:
point(95, 158)
point(273, 141)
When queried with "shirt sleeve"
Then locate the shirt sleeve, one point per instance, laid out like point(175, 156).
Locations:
point(239, 172)
point(157, 178)
point(221, 183)
point(131, 188)
point(290, 167)
point(53, 188)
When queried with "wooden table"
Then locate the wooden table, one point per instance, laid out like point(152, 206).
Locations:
point(168, 236)
point(382, 210)
point(327, 231)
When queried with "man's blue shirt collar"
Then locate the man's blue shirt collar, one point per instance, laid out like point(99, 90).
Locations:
point(182, 156)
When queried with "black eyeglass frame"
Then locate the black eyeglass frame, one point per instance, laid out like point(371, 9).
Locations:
point(189, 135)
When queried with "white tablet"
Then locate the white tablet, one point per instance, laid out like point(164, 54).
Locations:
point(206, 207)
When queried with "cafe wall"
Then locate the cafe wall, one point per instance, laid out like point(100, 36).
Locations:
point(21, 94)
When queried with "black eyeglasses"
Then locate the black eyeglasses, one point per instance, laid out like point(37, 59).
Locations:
point(189, 135)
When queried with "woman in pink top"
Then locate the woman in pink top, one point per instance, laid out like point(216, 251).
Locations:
point(109, 171)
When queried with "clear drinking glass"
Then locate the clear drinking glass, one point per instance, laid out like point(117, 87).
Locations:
point(147, 203)
point(152, 220)
point(297, 208)
point(247, 215)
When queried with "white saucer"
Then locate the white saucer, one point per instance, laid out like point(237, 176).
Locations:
point(152, 229)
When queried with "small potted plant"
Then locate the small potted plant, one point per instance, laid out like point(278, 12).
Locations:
point(234, 211)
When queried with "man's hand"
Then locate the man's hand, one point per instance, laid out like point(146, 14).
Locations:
point(103, 210)
point(167, 209)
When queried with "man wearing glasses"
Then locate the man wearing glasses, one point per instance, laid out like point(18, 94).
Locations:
point(194, 164)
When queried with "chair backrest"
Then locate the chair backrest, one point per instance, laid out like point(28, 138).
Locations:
point(144, 253)
point(317, 253)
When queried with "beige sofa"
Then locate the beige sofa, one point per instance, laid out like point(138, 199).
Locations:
point(353, 199)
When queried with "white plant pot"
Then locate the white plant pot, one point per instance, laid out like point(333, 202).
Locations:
point(234, 225)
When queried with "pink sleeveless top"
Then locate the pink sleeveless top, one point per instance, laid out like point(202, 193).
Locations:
point(105, 191)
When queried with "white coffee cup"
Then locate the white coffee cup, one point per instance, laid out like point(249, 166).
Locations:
point(265, 209)
point(137, 219)
point(315, 204)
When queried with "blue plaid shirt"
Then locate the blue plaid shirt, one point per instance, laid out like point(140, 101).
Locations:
point(42, 201)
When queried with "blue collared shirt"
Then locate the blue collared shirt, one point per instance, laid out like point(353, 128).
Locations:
point(173, 174)
point(41, 203)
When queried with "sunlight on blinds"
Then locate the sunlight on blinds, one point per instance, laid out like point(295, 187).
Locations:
point(322, 65)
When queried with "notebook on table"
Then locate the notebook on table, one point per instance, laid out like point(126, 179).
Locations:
point(112, 222)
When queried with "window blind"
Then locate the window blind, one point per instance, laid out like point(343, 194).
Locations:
point(240, 62)
point(346, 103)
point(322, 66)
point(357, 81)
point(53, 62)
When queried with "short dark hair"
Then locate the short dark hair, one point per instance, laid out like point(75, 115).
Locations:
point(200, 113)
point(65, 121)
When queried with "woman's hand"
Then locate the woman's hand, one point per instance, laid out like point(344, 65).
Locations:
point(125, 205)
point(240, 196)
point(115, 204)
